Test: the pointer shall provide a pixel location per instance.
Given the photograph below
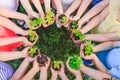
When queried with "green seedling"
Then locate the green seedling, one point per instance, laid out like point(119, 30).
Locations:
point(36, 22)
point(78, 34)
point(63, 19)
point(56, 65)
point(75, 62)
point(74, 24)
point(88, 48)
point(31, 36)
point(33, 51)
point(49, 18)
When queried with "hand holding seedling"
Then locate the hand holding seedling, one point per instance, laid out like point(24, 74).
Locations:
point(26, 42)
point(77, 73)
point(36, 64)
point(24, 52)
point(47, 64)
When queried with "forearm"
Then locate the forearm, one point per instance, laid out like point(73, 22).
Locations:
point(98, 75)
point(53, 77)
point(47, 4)
point(95, 21)
point(58, 6)
point(63, 76)
point(6, 41)
point(6, 56)
point(105, 46)
point(103, 37)
point(83, 7)
point(73, 7)
point(99, 65)
point(43, 74)
point(12, 14)
point(10, 25)
point(27, 6)
point(78, 76)
point(21, 70)
point(30, 74)
point(37, 4)
point(95, 10)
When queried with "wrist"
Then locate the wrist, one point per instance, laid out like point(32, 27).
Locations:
point(35, 70)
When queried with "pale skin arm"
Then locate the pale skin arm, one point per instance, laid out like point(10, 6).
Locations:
point(95, 21)
point(31, 13)
point(73, 7)
point(30, 74)
point(105, 46)
point(12, 26)
point(93, 12)
point(58, 6)
point(22, 69)
point(12, 14)
point(83, 6)
point(47, 4)
point(6, 56)
point(44, 69)
point(10, 40)
point(39, 7)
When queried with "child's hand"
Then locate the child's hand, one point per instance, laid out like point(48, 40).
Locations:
point(36, 65)
point(46, 64)
point(24, 52)
point(26, 42)
point(75, 18)
point(61, 71)
point(54, 72)
point(76, 72)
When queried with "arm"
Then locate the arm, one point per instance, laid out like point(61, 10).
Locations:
point(12, 14)
point(94, 11)
point(43, 74)
point(105, 46)
point(22, 69)
point(6, 56)
point(47, 4)
point(6, 41)
point(31, 13)
point(12, 26)
point(98, 75)
point(32, 72)
point(54, 74)
point(82, 8)
point(62, 72)
point(37, 4)
point(58, 6)
point(73, 7)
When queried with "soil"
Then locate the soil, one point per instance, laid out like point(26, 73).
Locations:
point(42, 59)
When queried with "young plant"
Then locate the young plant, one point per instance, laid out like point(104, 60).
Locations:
point(32, 36)
point(49, 18)
point(78, 34)
point(62, 18)
point(88, 48)
point(36, 22)
point(75, 62)
point(42, 59)
point(56, 65)
point(74, 24)
point(33, 51)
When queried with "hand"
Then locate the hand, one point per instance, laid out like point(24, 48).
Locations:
point(36, 64)
point(30, 59)
point(61, 71)
point(33, 15)
point(73, 39)
point(26, 42)
point(76, 72)
point(54, 72)
point(87, 57)
point(24, 52)
point(46, 64)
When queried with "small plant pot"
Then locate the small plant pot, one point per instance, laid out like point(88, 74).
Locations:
point(33, 51)
point(56, 65)
point(62, 19)
point(36, 38)
point(73, 25)
point(36, 25)
point(42, 59)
